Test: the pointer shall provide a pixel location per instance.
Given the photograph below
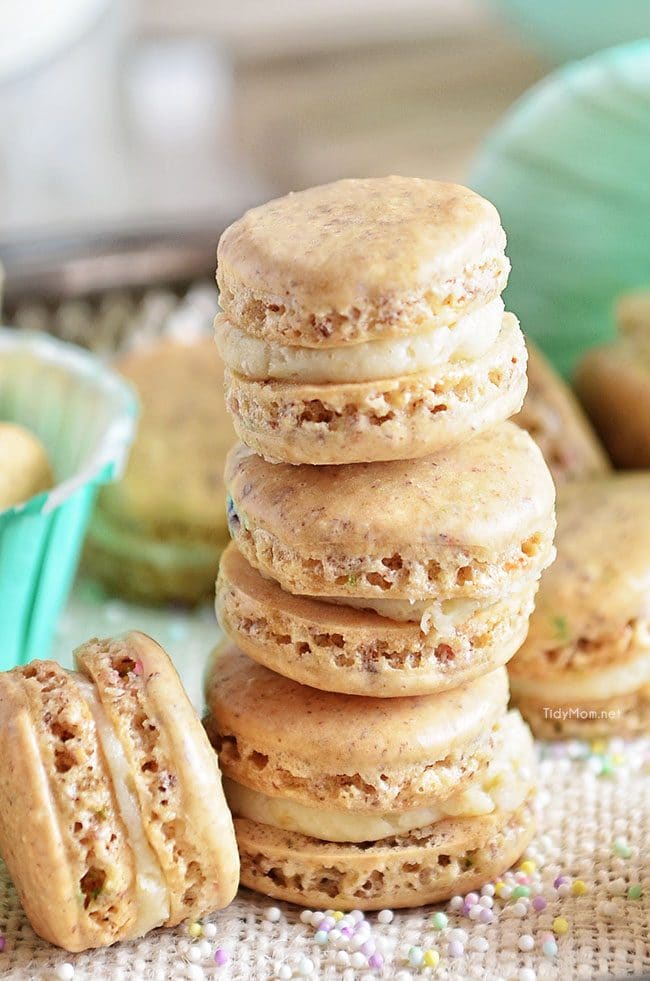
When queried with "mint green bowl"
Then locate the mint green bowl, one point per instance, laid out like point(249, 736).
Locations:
point(85, 416)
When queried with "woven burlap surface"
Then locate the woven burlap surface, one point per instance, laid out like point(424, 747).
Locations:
point(581, 814)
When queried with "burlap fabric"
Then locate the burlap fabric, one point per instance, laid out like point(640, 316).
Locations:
point(581, 814)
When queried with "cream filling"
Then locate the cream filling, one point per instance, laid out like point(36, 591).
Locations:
point(503, 785)
point(152, 895)
point(466, 340)
point(569, 685)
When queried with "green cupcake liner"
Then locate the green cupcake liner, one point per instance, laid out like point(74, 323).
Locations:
point(85, 415)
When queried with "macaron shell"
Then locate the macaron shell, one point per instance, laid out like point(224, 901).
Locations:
point(399, 418)
point(593, 604)
point(555, 419)
point(175, 772)
point(359, 652)
point(473, 520)
point(47, 839)
point(25, 469)
point(344, 750)
point(452, 857)
point(622, 716)
point(359, 258)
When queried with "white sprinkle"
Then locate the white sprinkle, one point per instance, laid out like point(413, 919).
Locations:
point(195, 972)
point(486, 901)
point(527, 974)
point(194, 954)
point(458, 934)
point(526, 942)
point(479, 943)
point(403, 976)
point(139, 965)
point(334, 935)
point(564, 890)
point(505, 892)
point(273, 914)
point(487, 889)
point(358, 959)
point(385, 916)
point(206, 948)
point(284, 972)
point(519, 909)
point(456, 903)
point(305, 967)
point(475, 911)
point(317, 918)
point(65, 971)
point(358, 915)
point(342, 958)
point(618, 887)
point(210, 930)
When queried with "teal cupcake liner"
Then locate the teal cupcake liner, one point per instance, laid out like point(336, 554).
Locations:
point(85, 416)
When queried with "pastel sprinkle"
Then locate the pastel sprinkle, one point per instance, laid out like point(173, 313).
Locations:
point(560, 925)
point(321, 937)
point(520, 891)
point(305, 967)
point(471, 898)
point(210, 930)
point(431, 957)
point(195, 929)
point(635, 892)
point(549, 948)
point(220, 956)
point(528, 867)
point(376, 960)
point(65, 971)
point(526, 942)
point(621, 848)
point(579, 888)
point(3, 943)
point(385, 916)
point(439, 921)
point(415, 956)
point(560, 881)
point(455, 948)
point(358, 959)
point(486, 916)
point(539, 903)
point(273, 914)
point(338, 915)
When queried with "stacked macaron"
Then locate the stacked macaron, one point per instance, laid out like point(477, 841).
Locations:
point(389, 531)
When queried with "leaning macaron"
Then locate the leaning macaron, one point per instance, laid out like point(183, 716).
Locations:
point(357, 802)
point(24, 465)
point(157, 535)
point(555, 419)
point(584, 669)
point(112, 815)
point(362, 321)
point(388, 579)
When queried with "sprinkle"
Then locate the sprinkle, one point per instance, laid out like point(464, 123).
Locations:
point(635, 892)
point(549, 948)
point(486, 916)
point(273, 914)
point(284, 972)
point(455, 948)
point(488, 889)
point(503, 891)
point(456, 903)
point(194, 954)
point(479, 943)
point(486, 902)
point(415, 956)
point(335, 935)
point(210, 930)
point(528, 867)
point(376, 960)
point(368, 948)
point(385, 916)
point(138, 668)
point(316, 918)
point(520, 891)
point(3, 943)
point(306, 915)
point(598, 747)
point(579, 888)
point(527, 974)
point(519, 909)
point(471, 898)
point(431, 957)
point(539, 903)
point(305, 967)
point(608, 908)
point(342, 958)
point(621, 848)
point(560, 881)
point(195, 929)
point(357, 915)
point(439, 921)
point(65, 971)
point(321, 937)
point(618, 887)
point(193, 971)
point(358, 959)
point(560, 925)
point(458, 934)
point(205, 948)
point(338, 915)
point(526, 942)
point(220, 957)
point(475, 911)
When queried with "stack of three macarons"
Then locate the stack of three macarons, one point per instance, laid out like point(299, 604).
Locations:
point(389, 533)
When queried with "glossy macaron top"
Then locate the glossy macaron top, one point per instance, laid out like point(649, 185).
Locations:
point(599, 585)
point(359, 259)
point(404, 528)
point(173, 481)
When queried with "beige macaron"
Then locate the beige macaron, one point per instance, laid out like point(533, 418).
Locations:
point(24, 466)
point(613, 384)
point(362, 321)
point(157, 534)
point(112, 815)
point(584, 669)
point(555, 419)
point(319, 781)
point(388, 578)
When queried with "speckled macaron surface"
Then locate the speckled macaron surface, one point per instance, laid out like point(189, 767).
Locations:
point(555, 419)
point(362, 321)
point(157, 534)
point(408, 773)
point(585, 666)
point(613, 384)
point(24, 466)
point(112, 816)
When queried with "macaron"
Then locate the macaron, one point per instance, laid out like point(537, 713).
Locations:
point(389, 579)
point(358, 802)
point(24, 465)
point(555, 419)
point(156, 535)
point(584, 669)
point(112, 814)
point(613, 384)
point(362, 321)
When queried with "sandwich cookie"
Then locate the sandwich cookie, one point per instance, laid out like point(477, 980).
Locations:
point(388, 579)
point(362, 321)
point(557, 422)
point(24, 466)
point(613, 384)
point(584, 669)
point(157, 535)
point(359, 802)
point(112, 815)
